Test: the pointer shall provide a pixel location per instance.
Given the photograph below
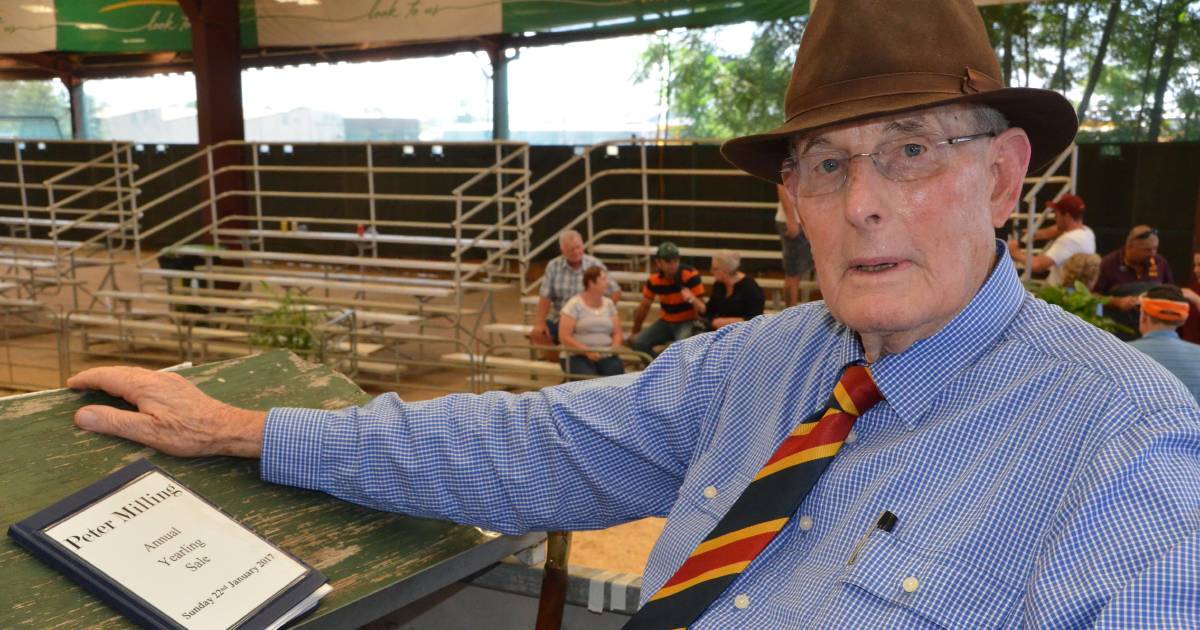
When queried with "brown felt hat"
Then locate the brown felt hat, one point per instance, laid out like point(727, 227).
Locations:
point(861, 59)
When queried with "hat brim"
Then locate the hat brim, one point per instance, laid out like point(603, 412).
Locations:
point(1047, 117)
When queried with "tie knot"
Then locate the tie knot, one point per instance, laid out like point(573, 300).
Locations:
point(856, 392)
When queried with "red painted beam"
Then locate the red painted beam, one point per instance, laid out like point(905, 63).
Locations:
point(217, 61)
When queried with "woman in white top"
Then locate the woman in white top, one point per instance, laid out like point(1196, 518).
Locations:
point(590, 320)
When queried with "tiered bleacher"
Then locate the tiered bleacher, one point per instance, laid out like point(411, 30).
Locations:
point(390, 269)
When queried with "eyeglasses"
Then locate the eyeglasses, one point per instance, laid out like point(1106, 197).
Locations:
point(1145, 235)
point(902, 160)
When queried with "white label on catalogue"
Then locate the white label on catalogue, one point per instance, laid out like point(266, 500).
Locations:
point(177, 552)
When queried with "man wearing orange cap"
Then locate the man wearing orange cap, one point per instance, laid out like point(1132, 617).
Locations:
point(1070, 235)
point(928, 447)
point(1164, 310)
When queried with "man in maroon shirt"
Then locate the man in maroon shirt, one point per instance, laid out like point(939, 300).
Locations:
point(1138, 264)
point(1125, 274)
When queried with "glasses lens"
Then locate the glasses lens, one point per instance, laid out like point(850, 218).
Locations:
point(1146, 235)
point(911, 158)
point(819, 174)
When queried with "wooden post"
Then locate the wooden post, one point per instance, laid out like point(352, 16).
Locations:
point(79, 112)
point(554, 582)
point(500, 129)
point(217, 61)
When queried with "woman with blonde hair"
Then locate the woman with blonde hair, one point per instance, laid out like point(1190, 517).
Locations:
point(1082, 267)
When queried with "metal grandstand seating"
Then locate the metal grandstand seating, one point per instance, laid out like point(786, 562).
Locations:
point(1056, 180)
point(63, 215)
point(281, 244)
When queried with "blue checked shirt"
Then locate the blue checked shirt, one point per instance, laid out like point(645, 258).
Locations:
point(560, 282)
point(1043, 473)
point(1181, 358)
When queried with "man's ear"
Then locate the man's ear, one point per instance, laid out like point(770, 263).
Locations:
point(1008, 157)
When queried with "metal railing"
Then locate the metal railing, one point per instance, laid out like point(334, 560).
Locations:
point(585, 188)
point(509, 226)
point(1033, 215)
point(92, 201)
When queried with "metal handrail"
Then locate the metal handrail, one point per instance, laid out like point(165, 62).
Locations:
point(491, 350)
point(1034, 218)
point(591, 176)
point(80, 166)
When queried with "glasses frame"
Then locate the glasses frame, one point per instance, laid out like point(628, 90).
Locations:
point(874, 155)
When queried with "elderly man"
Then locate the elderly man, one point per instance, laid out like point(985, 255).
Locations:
point(929, 447)
point(1070, 236)
point(1163, 310)
point(563, 280)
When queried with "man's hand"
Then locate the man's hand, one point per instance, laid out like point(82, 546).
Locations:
point(1191, 296)
point(173, 416)
point(593, 356)
point(540, 335)
point(687, 294)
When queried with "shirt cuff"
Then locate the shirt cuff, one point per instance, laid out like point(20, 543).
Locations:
point(292, 447)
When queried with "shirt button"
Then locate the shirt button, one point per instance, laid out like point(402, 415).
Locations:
point(805, 523)
point(910, 584)
point(741, 601)
point(710, 492)
point(851, 437)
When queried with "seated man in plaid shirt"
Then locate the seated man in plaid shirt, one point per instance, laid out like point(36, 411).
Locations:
point(562, 281)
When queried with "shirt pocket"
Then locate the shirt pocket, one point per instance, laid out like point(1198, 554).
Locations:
point(712, 490)
point(943, 592)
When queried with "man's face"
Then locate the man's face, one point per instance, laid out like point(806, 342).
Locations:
point(1139, 250)
point(903, 258)
point(1196, 265)
point(668, 266)
point(572, 250)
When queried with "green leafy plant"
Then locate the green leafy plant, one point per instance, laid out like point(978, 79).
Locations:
point(1081, 302)
point(291, 326)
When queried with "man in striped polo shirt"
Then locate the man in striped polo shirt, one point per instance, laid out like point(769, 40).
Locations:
point(677, 287)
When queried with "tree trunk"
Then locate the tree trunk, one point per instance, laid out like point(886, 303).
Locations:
point(1158, 13)
point(1008, 55)
point(1164, 71)
point(1114, 10)
point(1025, 46)
point(1059, 78)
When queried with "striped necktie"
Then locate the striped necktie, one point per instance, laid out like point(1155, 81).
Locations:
point(765, 506)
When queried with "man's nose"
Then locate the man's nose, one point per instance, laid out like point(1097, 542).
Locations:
point(862, 191)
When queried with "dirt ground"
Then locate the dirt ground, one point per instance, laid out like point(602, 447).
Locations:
point(32, 358)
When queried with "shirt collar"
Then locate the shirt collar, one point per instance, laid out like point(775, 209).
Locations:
point(910, 381)
point(1160, 333)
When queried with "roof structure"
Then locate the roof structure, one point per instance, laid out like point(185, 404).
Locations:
point(82, 40)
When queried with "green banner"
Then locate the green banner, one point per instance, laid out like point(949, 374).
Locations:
point(143, 26)
point(131, 26)
point(639, 15)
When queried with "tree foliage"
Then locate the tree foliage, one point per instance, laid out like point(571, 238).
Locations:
point(1132, 67)
point(34, 109)
point(710, 94)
